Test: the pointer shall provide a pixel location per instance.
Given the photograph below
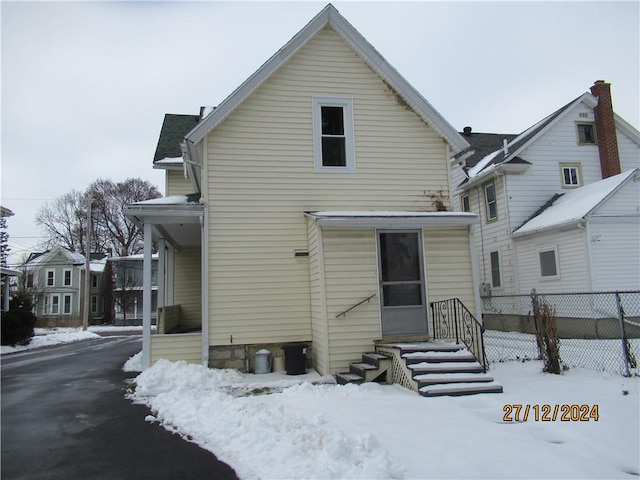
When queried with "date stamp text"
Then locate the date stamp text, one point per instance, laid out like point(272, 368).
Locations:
point(550, 413)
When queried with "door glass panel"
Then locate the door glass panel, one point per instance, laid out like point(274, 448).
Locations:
point(400, 257)
point(401, 295)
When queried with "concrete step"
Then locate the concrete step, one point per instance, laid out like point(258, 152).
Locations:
point(462, 388)
point(376, 359)
point(444, 378)
point(445, 367)
point(439, 356)
point(348, 377)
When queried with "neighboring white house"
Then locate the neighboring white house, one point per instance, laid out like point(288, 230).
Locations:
point(305, 208)
point(538, 177)
point(127, 288)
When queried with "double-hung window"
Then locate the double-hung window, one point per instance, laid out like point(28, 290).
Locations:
point(66, 305)
point(67, 278)
point(333, 135)
point(51, 278)
point(94, 281)
point(465, 203)
point(55, 304)
point(496, 280)
point(491, 203)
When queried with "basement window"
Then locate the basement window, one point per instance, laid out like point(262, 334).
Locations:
point(333, 137)
point(586, 133)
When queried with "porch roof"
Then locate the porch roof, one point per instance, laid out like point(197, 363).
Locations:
point(392, 219)
point(175, 219)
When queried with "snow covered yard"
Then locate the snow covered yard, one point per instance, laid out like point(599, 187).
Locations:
point(45, 337)
point(278, 426)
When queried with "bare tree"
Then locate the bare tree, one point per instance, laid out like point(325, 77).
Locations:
point(63, 220)
point(4, 242)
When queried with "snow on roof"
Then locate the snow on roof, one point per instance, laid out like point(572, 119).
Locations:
point(575, 205)
point(170, 160)
point(98, 266)
point(386, 213)
point(139, 256)
point(172, 200)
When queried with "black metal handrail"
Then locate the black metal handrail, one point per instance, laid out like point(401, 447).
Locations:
point(453, 320)
point(342, 314)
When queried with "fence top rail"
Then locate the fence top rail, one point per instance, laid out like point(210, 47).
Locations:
point(527, 295)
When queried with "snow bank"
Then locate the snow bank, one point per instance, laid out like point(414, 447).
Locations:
point(46, 337)
point(385, 431)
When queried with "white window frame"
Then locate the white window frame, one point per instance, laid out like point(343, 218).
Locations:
point(578, 174)
point(499, 256)
point(468, 203)
point(556, 258)
point(55, 304)
point(347, 108)
point(94, 280)
point(65, 310)
point(94, 303)
point(53, 277)
point(64, 277)
point(487, 206)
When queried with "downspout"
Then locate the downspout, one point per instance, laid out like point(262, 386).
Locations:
point(474, 273)
point(586, 231)
point(204, 257)
point(506, 207)
point(480, 209)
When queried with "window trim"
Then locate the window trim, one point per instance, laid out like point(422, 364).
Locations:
point(64, 277)
point(66, 311)
point(94, 280)
point(578, 167)
point(593, 131)
point(94, 304)
point(30, 280)
point(499, 258)
point(347, 108)
point(556, 259)
point(486, 202)
point(462, 203)
point(55, 296)
point(53, 277)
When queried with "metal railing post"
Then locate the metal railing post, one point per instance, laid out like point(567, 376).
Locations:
point(455, 318)
point(623, 337)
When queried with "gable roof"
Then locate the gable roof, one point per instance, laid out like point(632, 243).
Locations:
point(174, 129)
point(330, 17)
point(574, 206)
point(483, 144)
point(480, 167)
point(38, 259)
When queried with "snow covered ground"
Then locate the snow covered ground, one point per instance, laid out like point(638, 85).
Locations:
point(45, 337)
point(278, 426)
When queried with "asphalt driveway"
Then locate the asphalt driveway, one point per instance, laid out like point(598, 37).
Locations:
point(64, 416)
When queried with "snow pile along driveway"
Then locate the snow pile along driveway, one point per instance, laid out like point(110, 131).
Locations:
point(323, 430)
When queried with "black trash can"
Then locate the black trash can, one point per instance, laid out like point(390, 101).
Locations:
point(295, 358)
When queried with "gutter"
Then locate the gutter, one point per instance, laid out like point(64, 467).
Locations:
point(578, 223)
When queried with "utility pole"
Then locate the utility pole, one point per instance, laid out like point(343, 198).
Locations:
point(87, 268)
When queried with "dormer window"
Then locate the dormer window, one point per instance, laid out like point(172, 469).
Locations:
point(333, 140)
point(586, 133)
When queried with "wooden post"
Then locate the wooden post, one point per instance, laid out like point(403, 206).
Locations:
point(87, 269)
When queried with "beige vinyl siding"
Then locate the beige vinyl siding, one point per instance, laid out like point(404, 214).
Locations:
point(176, 184)
point(318, 307)
point(260, 181)
point(188, 285)
point(186, 346)
point(351, 275)
point(447, 254)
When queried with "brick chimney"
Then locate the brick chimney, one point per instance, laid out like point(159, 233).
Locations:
point(606, 130)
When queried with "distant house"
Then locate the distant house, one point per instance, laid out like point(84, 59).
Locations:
point(309, 206)
point(55, 279)
point(127, 288)
point(558, 204)
point(7, 273)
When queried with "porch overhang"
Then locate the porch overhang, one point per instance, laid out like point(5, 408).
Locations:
point(392, 219)
point(175, 219)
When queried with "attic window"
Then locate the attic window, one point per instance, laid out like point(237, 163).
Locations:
point(333, 135)
point(586, 133)
point(571, 174)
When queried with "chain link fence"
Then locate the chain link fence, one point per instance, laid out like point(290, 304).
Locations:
point(599, 331)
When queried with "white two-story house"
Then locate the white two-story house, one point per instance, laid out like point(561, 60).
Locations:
point(559, 204)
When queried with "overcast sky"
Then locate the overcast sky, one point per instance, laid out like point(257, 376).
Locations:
point(85, 85)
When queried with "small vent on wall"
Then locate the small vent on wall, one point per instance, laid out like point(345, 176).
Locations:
point(584, 115)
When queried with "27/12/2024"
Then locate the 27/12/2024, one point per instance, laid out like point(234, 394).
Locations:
point(550, 413)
